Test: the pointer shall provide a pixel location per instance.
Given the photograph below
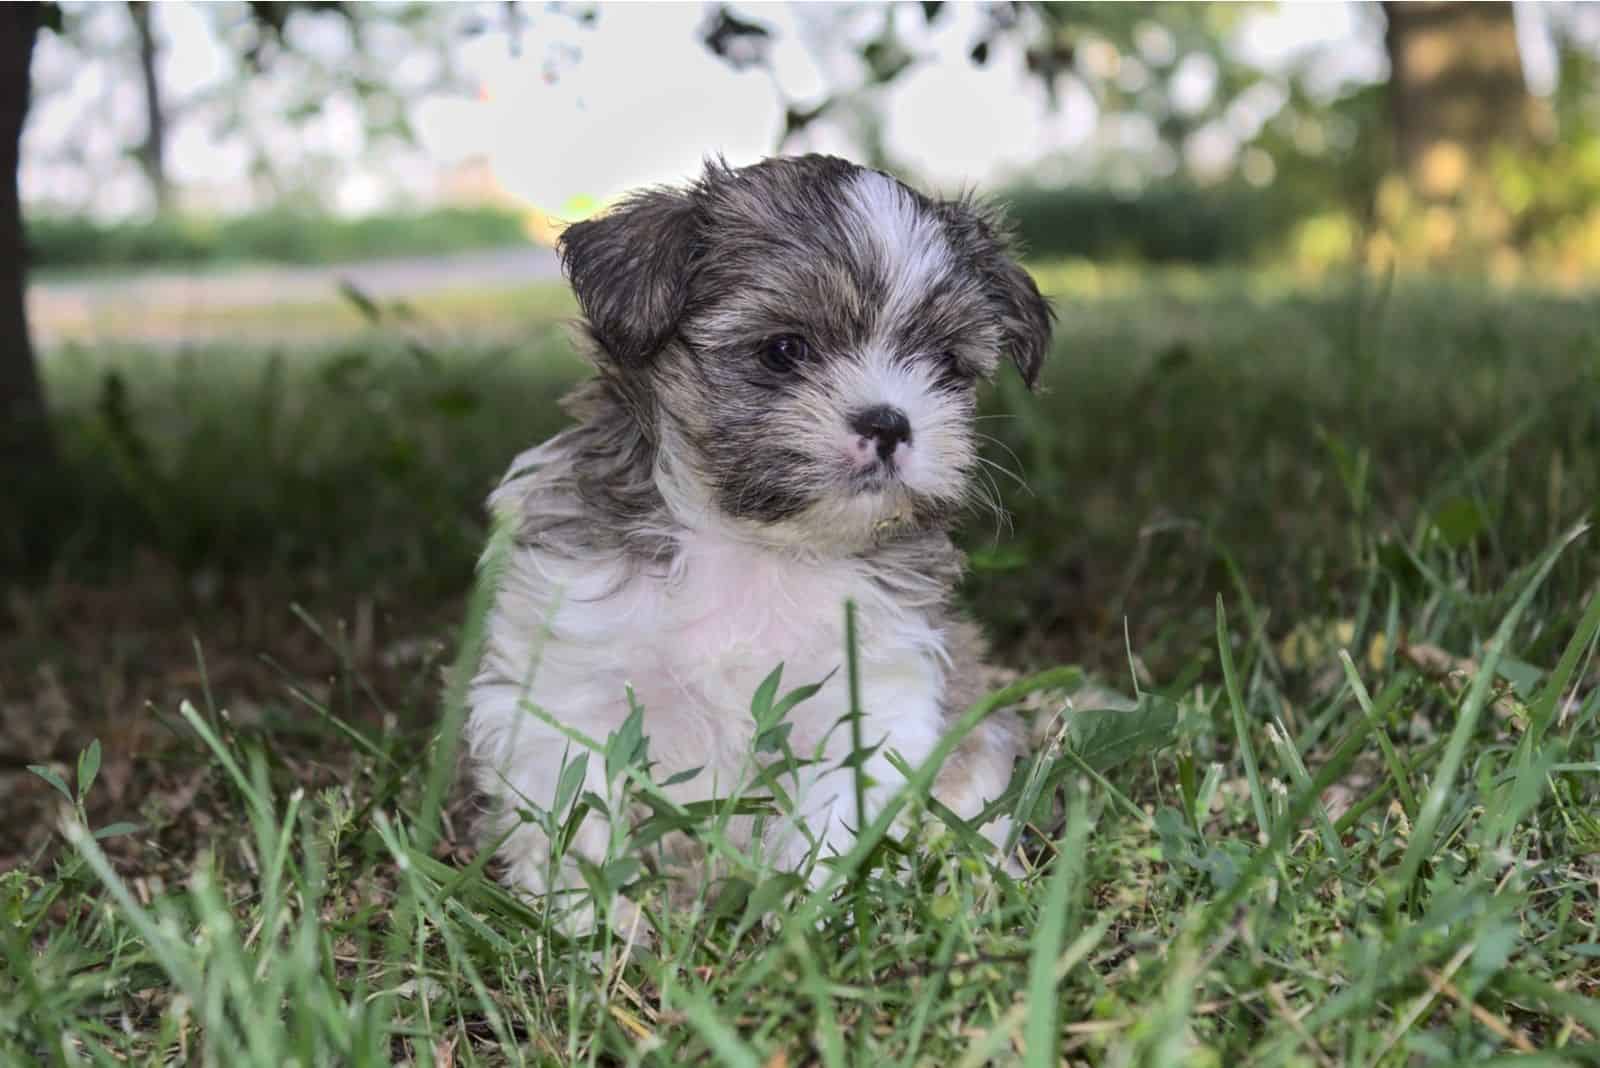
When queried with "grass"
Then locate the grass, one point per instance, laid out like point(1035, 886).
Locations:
point(318, 324)
point(1331, 544)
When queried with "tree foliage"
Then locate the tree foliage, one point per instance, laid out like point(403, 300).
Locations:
point(1126, 56)
point(369, 63)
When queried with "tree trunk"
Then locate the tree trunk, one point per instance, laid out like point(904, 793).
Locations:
point(1455, 90)
point(27, 458)
point(153, 153)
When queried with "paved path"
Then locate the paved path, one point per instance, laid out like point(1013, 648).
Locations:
point(87, 307)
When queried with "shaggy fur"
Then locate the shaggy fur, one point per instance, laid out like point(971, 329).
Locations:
point(782, 420)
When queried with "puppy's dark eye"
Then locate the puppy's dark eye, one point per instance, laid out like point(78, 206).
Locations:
point(784, 352)
point(954, 373)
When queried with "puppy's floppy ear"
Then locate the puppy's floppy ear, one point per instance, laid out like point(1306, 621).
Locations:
point(630, 271)
point(1025, 317)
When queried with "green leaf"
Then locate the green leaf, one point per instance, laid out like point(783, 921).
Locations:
point(88, 768)
point(1188, 786)
point(115, 830)
point(761, 703)
point(1107, 737)
point(52, 778)
point(772, 728)
point(1458, 520)
point(774, 739)
point(571, 781)
point(859, 758)
point(683, 776)
point(626, 746)
point(797, 695)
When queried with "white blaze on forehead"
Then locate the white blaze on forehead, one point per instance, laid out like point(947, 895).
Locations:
point(905, 238)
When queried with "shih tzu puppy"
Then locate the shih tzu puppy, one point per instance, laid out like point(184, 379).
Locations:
point(782, 420)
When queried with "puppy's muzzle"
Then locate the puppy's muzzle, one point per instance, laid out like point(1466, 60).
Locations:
point(882, 427)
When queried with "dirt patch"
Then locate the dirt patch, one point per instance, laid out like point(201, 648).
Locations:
point(80, 662)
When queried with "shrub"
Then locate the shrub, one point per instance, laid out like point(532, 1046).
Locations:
point(1171, 222)
point(279, 235)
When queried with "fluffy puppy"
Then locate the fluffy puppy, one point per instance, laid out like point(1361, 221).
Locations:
point(782, 420)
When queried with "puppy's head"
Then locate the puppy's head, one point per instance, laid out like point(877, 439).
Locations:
point(802, 340)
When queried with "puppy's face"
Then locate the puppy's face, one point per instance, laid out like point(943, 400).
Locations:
point(803, 339)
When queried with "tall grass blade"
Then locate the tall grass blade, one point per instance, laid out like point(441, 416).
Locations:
point(1041, 1034)
point(1241, 727)
point(1423, 844)
point(1391, 759)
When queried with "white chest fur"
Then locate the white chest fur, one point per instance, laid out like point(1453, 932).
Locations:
point(694, 644)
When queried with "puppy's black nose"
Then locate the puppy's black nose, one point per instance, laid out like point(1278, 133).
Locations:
point(886, 425)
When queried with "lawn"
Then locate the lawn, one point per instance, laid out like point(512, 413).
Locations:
point(1327, 541)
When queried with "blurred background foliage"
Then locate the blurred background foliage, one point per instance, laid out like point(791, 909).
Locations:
point(1429, 149)
point(283, 234)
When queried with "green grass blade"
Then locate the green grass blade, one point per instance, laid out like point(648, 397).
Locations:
point(981, 1051)
point(474, 637)
point(1391, 758)
point(724, 1041)
point(1422, 844)
point(1290, 756)
point(858, 773)
point(1543, 708)
point(248, 788)
point(1041, 1035)
point(1241, 727)
point(916, 786)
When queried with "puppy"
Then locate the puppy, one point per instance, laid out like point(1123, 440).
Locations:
point(782, 420)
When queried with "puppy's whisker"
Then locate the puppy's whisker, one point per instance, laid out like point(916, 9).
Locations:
point(1022, 483)
point(984, 495)
point(1002, 446)
point(1001, 512)
point(987, 500)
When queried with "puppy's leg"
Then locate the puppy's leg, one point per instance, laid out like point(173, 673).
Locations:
point(980, 768)
point(978, 772)
point(898, 720)
point(825, 820)
point(517, 762)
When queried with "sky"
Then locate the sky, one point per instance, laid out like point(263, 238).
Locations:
point(568, 116)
